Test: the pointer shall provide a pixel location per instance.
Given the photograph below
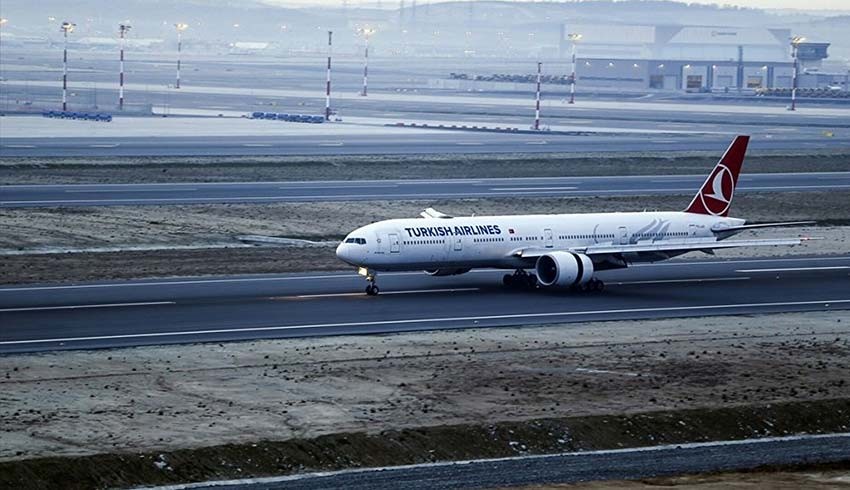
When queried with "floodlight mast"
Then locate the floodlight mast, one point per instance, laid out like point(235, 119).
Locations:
point(180, 27)
point(122, 31)
point(366, 32)
point(795, 42)
point(67, 28)
point(574, 39)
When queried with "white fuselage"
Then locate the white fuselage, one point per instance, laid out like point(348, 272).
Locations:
point(490, 241)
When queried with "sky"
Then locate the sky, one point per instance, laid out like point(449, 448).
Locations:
point(768, 4)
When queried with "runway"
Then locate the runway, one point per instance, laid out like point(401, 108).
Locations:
point(419, 142)
point(622, 464)
point(111, 314)
point(16, 196)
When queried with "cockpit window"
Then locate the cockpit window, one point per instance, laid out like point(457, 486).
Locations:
point(349, 240)
point(358, 241)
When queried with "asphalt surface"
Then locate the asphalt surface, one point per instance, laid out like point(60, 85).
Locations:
point(415, 143)
point(99, 315)
point(571, 467)
point(193, 193)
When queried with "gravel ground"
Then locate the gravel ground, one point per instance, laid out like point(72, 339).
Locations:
point(299, 168)
point(168, 397)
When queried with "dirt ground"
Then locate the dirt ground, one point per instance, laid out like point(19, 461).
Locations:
point(780, 480)
point(170, 397)
point(218, 224)
point(348, 167)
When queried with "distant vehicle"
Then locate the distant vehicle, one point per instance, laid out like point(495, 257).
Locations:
point(257, 115)
point(564, 250)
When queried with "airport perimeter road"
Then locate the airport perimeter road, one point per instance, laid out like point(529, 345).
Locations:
point(621, 464)
point(414, 142)
point(96, 315)
point(193, 193)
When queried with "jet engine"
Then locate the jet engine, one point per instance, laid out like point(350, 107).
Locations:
point(446, 272)
point(564, 269)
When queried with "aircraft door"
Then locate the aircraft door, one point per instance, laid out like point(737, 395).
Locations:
point(458, 243)
point(624, 235)
point(394, 247)
point(692, 230)
point(547, 238)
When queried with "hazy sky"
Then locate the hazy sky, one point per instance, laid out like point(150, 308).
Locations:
point(777, 4)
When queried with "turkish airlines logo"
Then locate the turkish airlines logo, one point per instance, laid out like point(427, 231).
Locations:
point(716, 195)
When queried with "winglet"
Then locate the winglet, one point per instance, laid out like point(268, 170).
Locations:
point(715, 195)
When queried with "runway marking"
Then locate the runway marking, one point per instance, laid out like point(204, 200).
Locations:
point(532, 457)
point(412, 291)
point(81, 307)
point(797, 269)
point(470, 143)
point(506, 189)
point(96, 191)
point(413, 321)
point(110, 145)
point(18, 146)
point(673, 281)
point(544, 142)
point(199, 281)
point(336, 143)
point(358, 186)
point(257, 145)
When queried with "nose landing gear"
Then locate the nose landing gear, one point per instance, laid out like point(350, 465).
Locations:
point(372, 288)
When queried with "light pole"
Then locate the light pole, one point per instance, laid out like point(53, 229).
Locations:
point(574, 39)
point(122, 30)
point(366, 32)
point(795, 41)
point(67, 27)
point(537, 99)
point(328, 80)
point(180, 27)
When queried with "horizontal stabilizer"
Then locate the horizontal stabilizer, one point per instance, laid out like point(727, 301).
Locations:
point(760, 225)
point(433, 213)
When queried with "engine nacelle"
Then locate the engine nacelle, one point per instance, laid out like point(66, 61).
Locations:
point(446, 272)
point(564, 269)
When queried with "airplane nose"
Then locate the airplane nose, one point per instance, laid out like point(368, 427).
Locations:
point(343, 252)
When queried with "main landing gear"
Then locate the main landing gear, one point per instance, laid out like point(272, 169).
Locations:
point(592, 286)
point(372, 288)
point(520, 280)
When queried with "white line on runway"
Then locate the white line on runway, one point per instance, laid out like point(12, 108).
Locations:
point(544, 142)
point(80, 307)
point(18, 146)
point(507, 189)
point(673, 281)
point(110, 145)
point(412, 291)
point(414, 321)
point(337, 143)
point(95, 191)
point(257, 145)
point(532, 457)
point(364, 186)
point(797, 269)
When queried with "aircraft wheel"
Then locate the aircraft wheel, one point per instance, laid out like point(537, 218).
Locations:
point(372, 290)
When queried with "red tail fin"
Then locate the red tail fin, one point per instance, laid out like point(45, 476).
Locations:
point(715, 195)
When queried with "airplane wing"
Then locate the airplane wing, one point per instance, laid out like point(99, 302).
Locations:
point(667, 247)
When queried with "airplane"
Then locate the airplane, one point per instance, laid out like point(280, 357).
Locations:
point(563, 250)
